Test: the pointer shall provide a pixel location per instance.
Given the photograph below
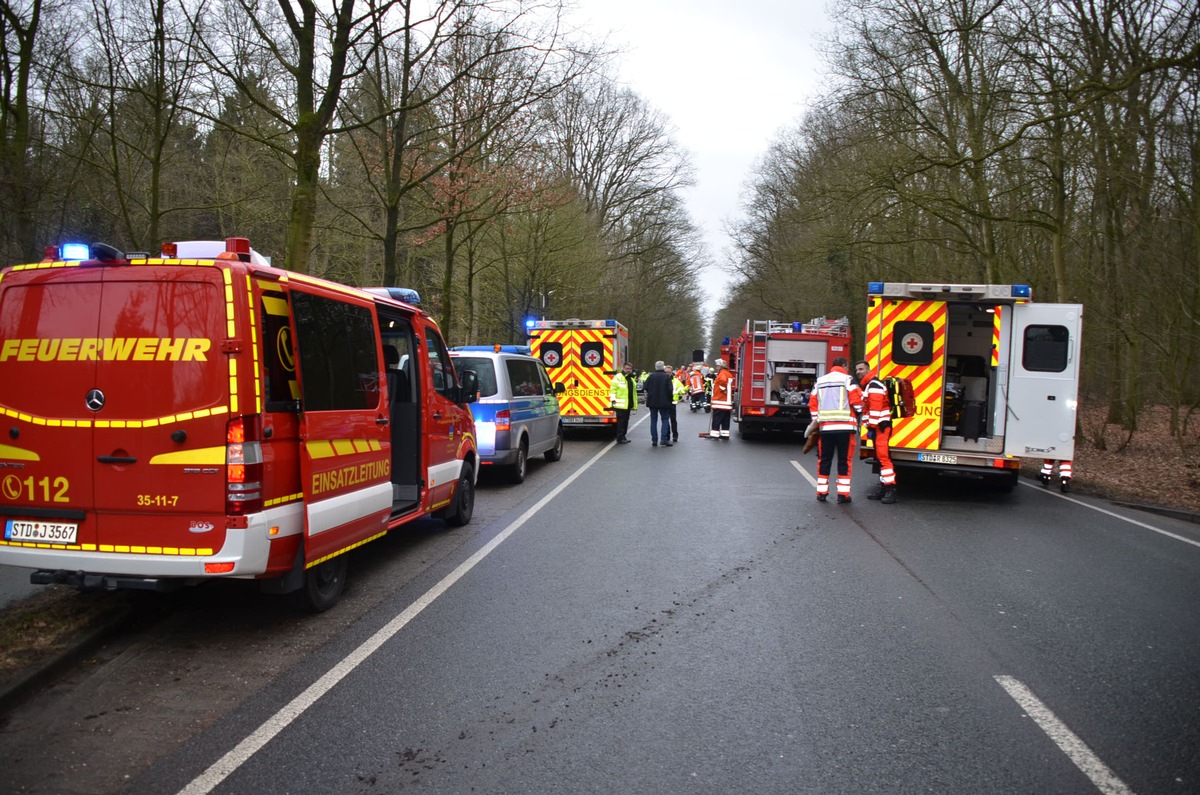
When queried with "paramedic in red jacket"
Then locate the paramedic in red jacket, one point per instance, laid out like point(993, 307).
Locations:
point(877, 410)
point(835, 404)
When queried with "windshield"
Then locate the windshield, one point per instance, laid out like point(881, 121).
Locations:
point(484, 369)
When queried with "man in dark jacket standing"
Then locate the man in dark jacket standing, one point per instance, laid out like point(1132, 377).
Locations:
point(658, 400)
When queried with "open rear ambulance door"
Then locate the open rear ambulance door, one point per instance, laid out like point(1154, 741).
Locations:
point(1043, 386)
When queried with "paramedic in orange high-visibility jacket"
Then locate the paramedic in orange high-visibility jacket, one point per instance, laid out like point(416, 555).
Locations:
point(836, 404)
point(877, 410)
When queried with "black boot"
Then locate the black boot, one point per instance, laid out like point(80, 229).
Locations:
point(889, 495)
point(876, 492)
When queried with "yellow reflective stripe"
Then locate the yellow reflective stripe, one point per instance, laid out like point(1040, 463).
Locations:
point(120, 549)
point(17, 454)
point(206, 456)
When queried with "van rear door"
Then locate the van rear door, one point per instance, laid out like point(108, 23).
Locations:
point(121, 369)
point(346, 457)
point(45, 457)
point(1044, 384)
point(161, 397)
point(907, 337)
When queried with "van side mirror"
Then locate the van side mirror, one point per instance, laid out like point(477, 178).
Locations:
point(559, 388)
point(468, 389)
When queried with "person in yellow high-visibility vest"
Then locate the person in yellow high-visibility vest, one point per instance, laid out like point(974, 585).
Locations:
point(679, 391)
point(622, 396)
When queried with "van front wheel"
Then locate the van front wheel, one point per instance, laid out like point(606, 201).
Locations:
point(463, 506)
point(323, 585)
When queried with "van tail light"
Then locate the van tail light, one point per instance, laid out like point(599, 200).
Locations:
point(243, 466)
point(503, 420)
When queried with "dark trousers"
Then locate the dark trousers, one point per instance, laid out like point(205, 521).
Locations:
point(622, 422)
point(673, 414)
point(834, 445)
point(721, 418)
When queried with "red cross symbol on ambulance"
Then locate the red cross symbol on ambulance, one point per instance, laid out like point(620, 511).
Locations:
point(912, 343)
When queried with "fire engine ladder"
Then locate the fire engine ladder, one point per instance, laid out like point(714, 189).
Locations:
point(758, 362)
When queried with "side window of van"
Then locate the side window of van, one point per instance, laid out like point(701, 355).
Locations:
point(547, 387)
point(523, 376)
point(339, 368)
point(279, 361)
point(444, 377)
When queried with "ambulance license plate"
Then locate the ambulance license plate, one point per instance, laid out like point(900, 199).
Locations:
point(46, 532)
point(937, 458)
point(574, 419)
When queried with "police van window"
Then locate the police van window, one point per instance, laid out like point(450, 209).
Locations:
point(547, 387)
point(484, 370)
point(440, 365)
point(339, 366)
point(1046, 349)
point(523, 375)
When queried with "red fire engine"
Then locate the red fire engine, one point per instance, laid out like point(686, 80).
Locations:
point(777, 365)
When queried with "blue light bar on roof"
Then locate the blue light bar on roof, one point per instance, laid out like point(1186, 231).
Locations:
point(610, 323)
point(797, 326)
point(1022, 291)
point(530, 322)
point(405, 294)
point(874, 288)
point(75, 251)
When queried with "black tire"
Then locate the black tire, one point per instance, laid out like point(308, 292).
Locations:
point(459, 512)
point(555, 452)
point(517, 472)
point(323, 585)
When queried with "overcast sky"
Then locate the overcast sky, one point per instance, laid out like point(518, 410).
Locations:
point(730, 74)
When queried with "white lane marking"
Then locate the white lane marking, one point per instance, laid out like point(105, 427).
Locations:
point(805, 473)
point(1158, 530)
point(1068, 742)
point(241, 753)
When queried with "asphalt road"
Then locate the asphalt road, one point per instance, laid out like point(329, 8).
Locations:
point(672, 620)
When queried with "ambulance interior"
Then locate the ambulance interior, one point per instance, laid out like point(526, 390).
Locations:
point(969, 392)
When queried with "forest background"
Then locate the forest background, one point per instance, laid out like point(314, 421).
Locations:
point(482, 152)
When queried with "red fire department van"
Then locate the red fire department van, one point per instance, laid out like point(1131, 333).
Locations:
point(173, 419)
